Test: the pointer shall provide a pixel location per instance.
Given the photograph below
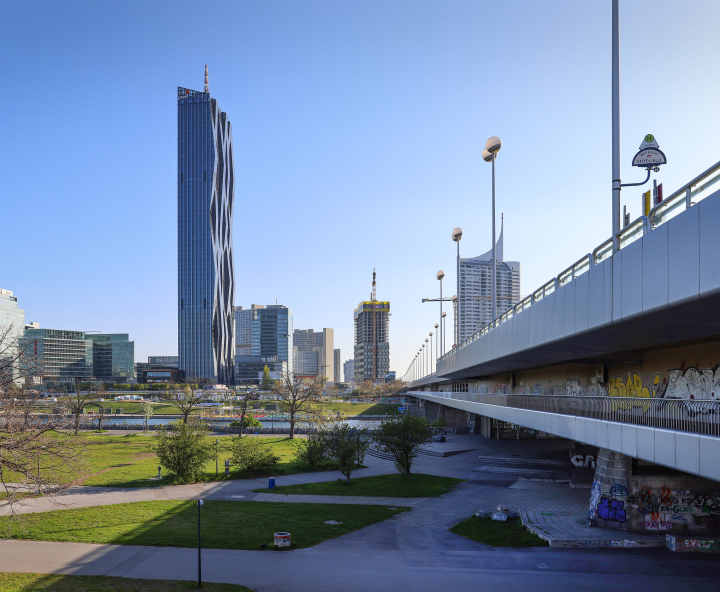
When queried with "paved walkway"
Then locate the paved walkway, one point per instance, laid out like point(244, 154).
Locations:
point(385, 557)
point(447, 510)
point(339, 499)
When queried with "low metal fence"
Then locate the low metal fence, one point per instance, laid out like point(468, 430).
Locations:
point(686, 415)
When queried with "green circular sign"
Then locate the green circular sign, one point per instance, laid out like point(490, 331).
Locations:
point(649, 138)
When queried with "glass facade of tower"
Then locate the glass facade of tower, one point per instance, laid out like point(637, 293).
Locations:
point(60, 355)
point(113, 356)
point(12, 326)
point(272, 333)
point(206, 269)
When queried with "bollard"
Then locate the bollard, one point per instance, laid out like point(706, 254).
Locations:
point(159, 472)
point(227, 468)
point(271, 483)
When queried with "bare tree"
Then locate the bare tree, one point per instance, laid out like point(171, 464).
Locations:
point(188, 400)
point(148, 411)
point(36, 450)
point(296, 395)
point(76, 401)
point(244, 401)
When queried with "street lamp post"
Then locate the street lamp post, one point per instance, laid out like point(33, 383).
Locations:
point(428, 366)
point(456, 236)
point(437, 349)
point(431, 356)
point(442, 336)
point(492, 147)
point(615, 127)
point(440, 275)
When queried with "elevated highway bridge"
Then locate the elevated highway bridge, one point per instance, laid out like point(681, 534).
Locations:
point(620, 351)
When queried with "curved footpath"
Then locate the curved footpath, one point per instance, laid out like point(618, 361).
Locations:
point(412, 551)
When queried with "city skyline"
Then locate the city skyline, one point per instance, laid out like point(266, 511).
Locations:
point(329, 120)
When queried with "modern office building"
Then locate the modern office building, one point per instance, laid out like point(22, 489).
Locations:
point(12, 327)
point(313, 353)
point(475, 302)
point(270, 333)
point(113, 356)
point(372, 327)
point(349, 371)
point(250, 369)
point(243, 329)
point(156, 373)
point(206, 269)
point(60, 356)
point(337, 366)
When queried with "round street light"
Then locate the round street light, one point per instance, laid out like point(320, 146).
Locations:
point(440, 275)
point(492, 147)
point(456, 236)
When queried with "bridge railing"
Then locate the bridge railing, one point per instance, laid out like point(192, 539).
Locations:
point(685, 415)
point(687, 196)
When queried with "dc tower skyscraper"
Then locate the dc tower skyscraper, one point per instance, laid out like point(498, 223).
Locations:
point(206, 268)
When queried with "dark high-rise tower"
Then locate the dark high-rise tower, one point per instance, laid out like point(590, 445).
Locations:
point(206, 269)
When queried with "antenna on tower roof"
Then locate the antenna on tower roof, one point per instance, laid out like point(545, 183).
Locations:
point(207, 88)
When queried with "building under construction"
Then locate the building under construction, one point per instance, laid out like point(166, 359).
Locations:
point(372, 345)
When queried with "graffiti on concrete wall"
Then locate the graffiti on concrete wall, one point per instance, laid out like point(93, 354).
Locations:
point(663, 509)
point(694, 383)
point(611, 509)
point(683, 383)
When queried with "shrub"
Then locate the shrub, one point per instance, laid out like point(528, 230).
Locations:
point(249, 421)
point(183, 449)
point(347, 446)
point(250, 454)
point(403, 437)
point(313, 449)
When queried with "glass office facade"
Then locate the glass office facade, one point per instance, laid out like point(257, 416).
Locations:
point(272, 333)
point(113, 356)
point(12, 326)
point(60, 356)
point(206, 269)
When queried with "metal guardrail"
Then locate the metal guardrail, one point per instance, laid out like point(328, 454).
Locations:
point(687, 196)
point(695, 416)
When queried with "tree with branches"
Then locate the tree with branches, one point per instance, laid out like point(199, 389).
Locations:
point(35, 452)
point(402, 437)
point(296, 395)
point(187, 401)
point(245, 399)
point(75, 401)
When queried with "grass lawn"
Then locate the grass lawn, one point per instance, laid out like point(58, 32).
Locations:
point(498, 534)
point(173, 523)
point(24, 582)
point(349, 408)
point(130, 461)
point(381, 486)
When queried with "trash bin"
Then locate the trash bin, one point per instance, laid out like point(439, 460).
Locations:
point(271, 483)
point(282, 539)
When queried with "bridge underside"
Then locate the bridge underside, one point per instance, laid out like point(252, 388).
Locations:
point(692, 322)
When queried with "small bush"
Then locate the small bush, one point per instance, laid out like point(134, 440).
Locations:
point(249, 421)
point(183, 449)
point(249, 454)
point(312, 450)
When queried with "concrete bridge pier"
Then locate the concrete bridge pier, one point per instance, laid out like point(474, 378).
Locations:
point(632, 495)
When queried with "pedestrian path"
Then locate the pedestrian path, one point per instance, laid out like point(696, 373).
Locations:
point(340, 499)
point(467, 498)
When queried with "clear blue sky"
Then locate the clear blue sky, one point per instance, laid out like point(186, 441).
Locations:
point(358, 129)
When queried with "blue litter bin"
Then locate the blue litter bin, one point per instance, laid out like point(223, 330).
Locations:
point(271, 483)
